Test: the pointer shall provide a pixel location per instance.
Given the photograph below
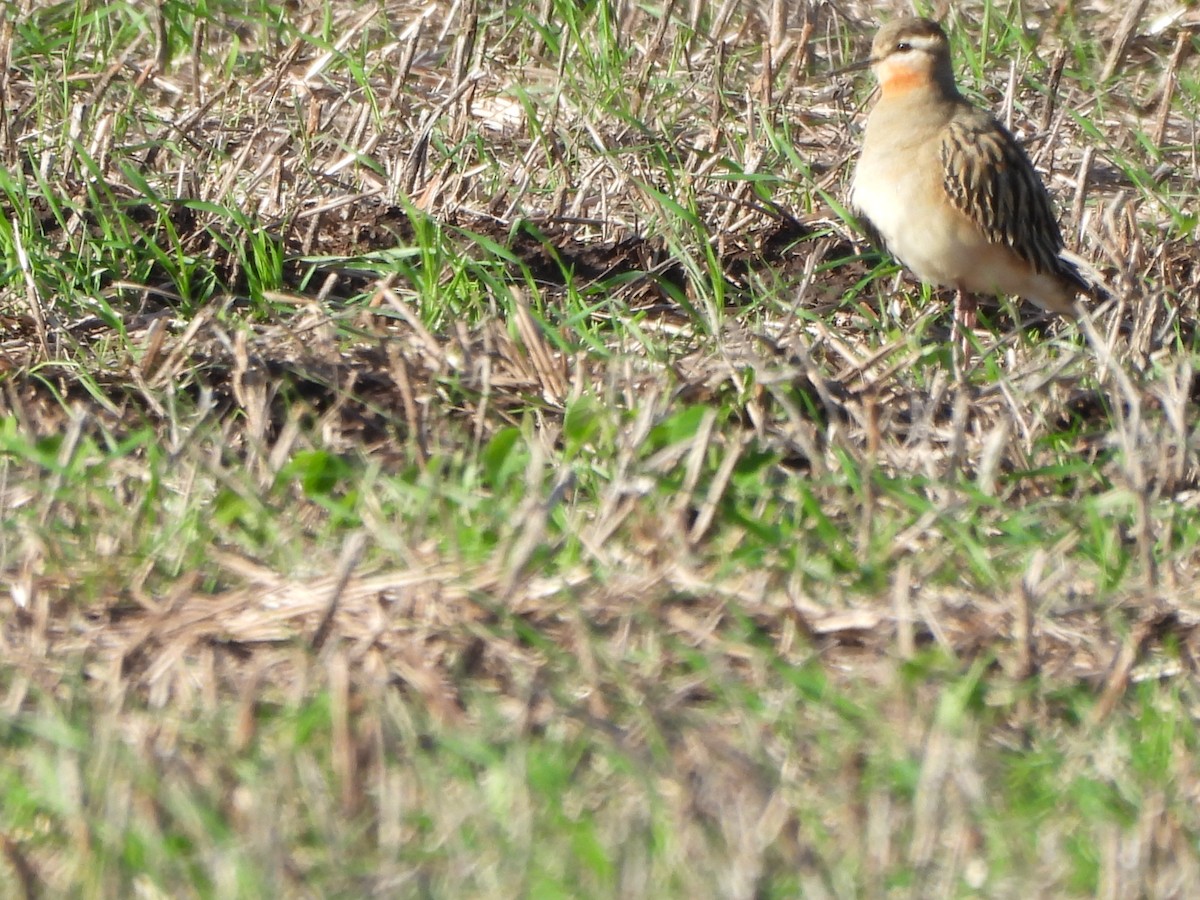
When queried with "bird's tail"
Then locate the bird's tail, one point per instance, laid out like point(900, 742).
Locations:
point(1084, 276)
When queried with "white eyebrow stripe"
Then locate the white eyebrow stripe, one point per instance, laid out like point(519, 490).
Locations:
point(919, 41)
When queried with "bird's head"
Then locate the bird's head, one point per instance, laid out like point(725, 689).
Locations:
point(909, 54)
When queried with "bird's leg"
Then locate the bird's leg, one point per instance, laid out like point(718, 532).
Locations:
point(960, 331)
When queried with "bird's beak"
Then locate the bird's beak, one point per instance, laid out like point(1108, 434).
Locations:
point(854, 67)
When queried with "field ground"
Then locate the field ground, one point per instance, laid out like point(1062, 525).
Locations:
point(467, 450)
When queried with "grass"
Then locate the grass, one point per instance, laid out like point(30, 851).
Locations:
point(461, 451)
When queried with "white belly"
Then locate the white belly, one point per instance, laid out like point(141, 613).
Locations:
point(910, 211)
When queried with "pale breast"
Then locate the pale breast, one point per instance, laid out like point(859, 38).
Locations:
point(898, 187)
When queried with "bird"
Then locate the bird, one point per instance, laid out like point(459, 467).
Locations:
point(949, 191)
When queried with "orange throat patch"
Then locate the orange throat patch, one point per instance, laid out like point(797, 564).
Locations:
point(895, 80)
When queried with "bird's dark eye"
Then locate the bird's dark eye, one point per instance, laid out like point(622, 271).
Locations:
point(903, 47)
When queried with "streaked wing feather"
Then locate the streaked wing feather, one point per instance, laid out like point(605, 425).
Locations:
point(989, 178)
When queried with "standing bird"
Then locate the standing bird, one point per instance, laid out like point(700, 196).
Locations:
point(950, 191)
